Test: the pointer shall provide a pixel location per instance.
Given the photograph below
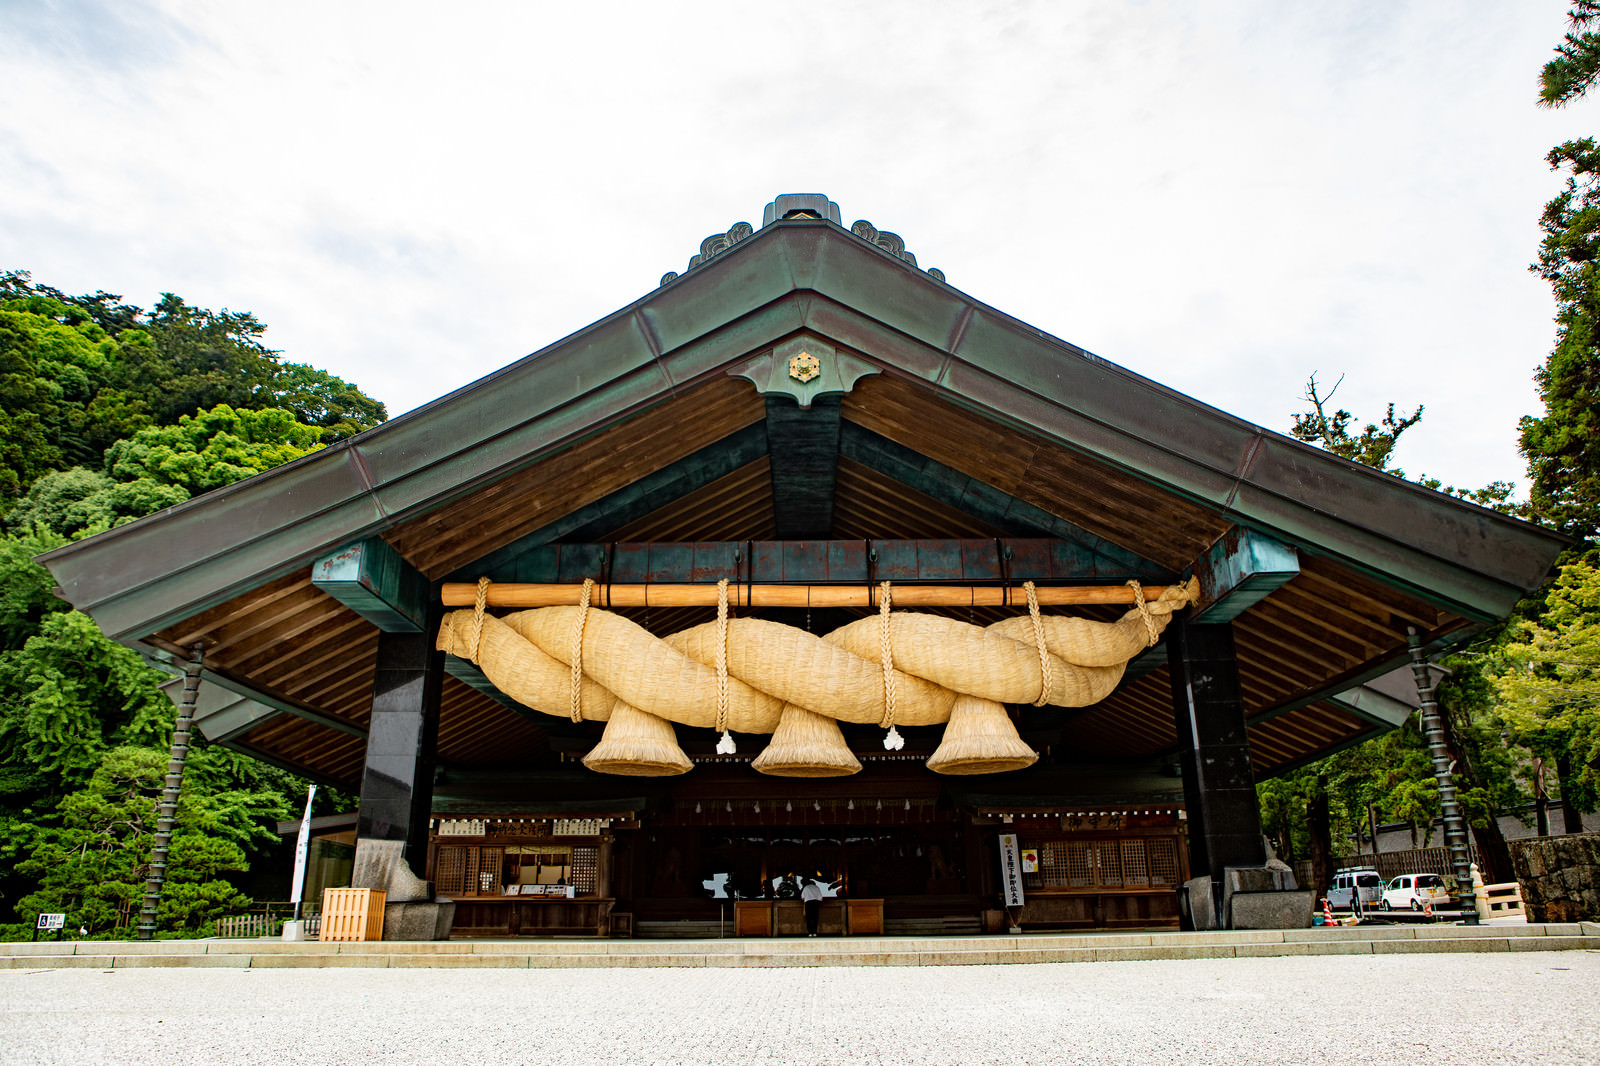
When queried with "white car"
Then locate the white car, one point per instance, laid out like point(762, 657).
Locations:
point(1415, 891)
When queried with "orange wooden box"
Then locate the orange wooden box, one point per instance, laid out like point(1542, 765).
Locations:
point(352, 914)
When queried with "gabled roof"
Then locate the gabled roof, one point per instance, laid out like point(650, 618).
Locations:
point(675, 419)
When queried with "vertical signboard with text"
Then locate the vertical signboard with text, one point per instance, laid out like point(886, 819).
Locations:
point(1010, 870)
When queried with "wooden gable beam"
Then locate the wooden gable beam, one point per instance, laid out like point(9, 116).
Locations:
point(371, 579)
point(628, 504)
point(983, 501)
point(1237, 572)
point(804, 445)
point(1043, 560)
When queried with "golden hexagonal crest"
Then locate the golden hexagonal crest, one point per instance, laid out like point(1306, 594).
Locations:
point(805, 367)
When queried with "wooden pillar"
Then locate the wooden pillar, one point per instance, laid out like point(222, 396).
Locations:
point(1218, 781)
point(397, 781)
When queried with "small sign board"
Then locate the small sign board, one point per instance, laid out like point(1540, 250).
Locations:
point(52, 921)
point(1010, 870)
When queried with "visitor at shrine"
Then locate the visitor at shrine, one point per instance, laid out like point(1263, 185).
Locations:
point(811, 896)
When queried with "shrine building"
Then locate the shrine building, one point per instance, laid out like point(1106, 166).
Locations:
point(805, 564)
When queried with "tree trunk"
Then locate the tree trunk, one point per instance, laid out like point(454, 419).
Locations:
point(1494, 857)
point(1321, 839)
point(1285, 837)
point(1541, 800)
point(1571, 816)
point(1372, 826)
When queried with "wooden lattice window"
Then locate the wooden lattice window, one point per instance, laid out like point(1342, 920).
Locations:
point(1052, 865)
point(586, 870)
point(1080, 866)
point(1108, 863)
point(450, 869)
point(490, 873)
point(1163, 861)
point(1135, 868)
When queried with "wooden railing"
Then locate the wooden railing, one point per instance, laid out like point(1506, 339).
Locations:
point(251, 925)
point(1500, 901)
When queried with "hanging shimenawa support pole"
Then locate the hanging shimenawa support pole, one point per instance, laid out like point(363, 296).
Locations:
point(517, 594)
point(168, 807)
point(1455, 826)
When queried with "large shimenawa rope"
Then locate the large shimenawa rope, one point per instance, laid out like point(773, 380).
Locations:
point(907, 671)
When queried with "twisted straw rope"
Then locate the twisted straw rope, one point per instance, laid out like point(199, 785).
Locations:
point(1144, 612)
point(918, 664)
point(577, 649)
point(477, 618)
point(1046, 675)
point(722, 656)
point(886, 654)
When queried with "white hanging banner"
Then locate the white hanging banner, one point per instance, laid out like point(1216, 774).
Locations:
point(1011, 869)
point(301, 844)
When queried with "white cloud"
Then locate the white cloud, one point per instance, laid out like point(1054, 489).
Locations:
point(1224, 198)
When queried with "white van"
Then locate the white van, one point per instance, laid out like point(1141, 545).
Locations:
point(1346, 883)
point(1416, 891)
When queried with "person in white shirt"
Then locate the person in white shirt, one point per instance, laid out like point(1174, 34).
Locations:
point(811, 896)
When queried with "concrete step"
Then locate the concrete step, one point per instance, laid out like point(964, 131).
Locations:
point(804, 951)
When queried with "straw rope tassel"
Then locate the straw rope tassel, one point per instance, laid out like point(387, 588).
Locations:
point(1144, 612)
point(477, 619)
point(1046, 675)
point(892, 740)
point(725, 746)
point(577, 650)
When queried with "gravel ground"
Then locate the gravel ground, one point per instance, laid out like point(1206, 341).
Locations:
point(1430, 1010)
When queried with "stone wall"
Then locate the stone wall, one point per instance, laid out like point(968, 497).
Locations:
point(1559, 876)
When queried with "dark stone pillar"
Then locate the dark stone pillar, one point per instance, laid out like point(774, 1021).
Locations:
point(397, 782)
point(1218, 782)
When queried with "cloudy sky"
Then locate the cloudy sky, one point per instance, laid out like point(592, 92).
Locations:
point(1225, 196)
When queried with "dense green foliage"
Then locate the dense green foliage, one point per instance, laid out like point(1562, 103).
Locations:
point(1577, 63)
point(110, 413)
point(1562, 446)
point(1548, 680)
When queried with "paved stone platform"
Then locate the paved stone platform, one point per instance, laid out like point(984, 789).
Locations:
point(805, 951)
point(1480, 1008)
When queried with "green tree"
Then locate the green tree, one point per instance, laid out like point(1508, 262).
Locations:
point(108, 413)
point(161, 466)
point(317, 398)
point(90, 855)
point(1562, 446)
point(1548, 679)
point(211, 449)
point(1572, 73)
point(199, 359)
point(70, 693)
point(1373, 446)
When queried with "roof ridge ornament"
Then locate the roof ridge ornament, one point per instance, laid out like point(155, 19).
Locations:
point(892, 243)
point(793, 207)
point(714, 245)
